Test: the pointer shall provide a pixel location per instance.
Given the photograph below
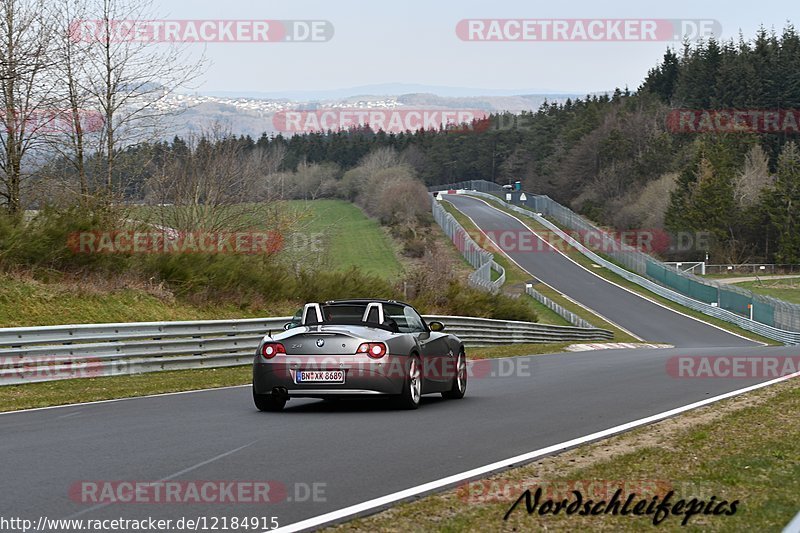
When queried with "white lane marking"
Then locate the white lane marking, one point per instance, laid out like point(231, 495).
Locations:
point(793, 526)
point(613, 346)
point(167, 478)
point(518, 460)
point(122, 399)
point(503, 252)
point(69, 415)
point(620, 286)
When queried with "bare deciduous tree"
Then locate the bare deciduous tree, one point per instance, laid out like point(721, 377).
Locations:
point(127, 77)
point(77, 125)
point(212, 185)
point(381, 158)
point(24, 45)
point(645, 208)
point(313, 180)
point(403, 202)
point(753, 178)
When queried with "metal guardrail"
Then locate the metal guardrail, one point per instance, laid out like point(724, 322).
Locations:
point(786, 337)
point(571, 317)
point(481, 275)
point(486, 331)
point(50, 353)
point(470, 185)
point(476, 256)
point(765, 310)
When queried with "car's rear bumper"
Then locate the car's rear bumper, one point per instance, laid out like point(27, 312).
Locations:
point(363, 376)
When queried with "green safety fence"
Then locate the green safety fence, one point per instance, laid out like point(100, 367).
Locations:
point(682, 284)
point(764, 313)
point(763, 309)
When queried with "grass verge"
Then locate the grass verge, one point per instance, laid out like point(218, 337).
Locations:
point(351, 238)
point(32, 395)
point(744, 448)
point(786, 289)
point(25, 301)
point(584, 261)
point(510, 350)
point(734, 274)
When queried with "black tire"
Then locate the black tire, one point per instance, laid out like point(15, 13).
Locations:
point(459, 387)
point(412, 386)
point(268, 402)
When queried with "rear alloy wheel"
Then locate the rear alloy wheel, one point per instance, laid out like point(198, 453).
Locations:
point(412, 386)
point(268, 402)
point(459, 387)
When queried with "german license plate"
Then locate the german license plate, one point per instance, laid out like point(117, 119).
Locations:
point(319, 376)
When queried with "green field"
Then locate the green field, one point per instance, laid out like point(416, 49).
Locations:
point(347, 237)
point(787, 289)
point(350, 238)
point(332, 234)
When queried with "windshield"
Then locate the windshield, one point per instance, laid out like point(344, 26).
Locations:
point(344, 314)
point(352, 314)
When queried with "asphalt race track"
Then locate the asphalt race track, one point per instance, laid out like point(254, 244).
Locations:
point(645, 319)
point(357, 451)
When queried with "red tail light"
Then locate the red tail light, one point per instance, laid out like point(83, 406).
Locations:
point(376, 350)
point(271, 349)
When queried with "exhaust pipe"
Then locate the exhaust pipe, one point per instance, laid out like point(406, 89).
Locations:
point(280, 393)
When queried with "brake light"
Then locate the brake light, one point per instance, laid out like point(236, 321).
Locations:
point(271, 349)
point(375, 350)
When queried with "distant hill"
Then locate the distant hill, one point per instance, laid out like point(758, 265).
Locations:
point(248, 115)
point(383, 89)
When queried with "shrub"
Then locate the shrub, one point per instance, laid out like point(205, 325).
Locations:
point(45, 242)
point(321, 286)
point(457, 298)
point(414, 248)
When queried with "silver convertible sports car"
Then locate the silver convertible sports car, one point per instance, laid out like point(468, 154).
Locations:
point(358, 348)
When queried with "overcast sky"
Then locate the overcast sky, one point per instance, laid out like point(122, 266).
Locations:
point(415, 41)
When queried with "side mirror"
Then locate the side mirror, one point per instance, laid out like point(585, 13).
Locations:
point(288, 325)
point(436, 326)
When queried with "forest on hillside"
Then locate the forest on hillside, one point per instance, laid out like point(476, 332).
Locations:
point(616, 158)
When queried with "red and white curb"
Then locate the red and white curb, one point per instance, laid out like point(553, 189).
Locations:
point(613, 346)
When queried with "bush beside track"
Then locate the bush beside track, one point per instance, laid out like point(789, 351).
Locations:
point(46, 283)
